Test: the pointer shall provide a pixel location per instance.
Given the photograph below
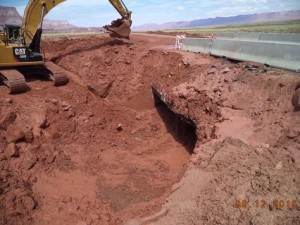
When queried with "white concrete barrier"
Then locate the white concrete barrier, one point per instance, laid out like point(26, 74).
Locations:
point(277, 50)
point(202, 45)
point(273, 37)
point(280, 55)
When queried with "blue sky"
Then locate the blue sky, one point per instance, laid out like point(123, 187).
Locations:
point(100, 12)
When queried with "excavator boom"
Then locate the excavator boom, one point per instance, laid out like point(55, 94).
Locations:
point(33, 16)
point(36, 10)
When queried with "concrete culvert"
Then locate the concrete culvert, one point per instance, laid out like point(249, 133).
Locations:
point(181, 128)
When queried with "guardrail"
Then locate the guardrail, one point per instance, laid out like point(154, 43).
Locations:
point(276, 50)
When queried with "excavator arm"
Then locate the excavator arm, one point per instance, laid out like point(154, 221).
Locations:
point(36, 10)
point(33, 17)
point(120, 27)
point(121, 8)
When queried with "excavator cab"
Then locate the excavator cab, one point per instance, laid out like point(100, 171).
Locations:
point(11, 34)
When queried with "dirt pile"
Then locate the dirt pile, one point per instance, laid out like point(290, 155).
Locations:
point(255, 190)
point(248, 173)
point(98, 150)
point(106, 157)
point(233, 182)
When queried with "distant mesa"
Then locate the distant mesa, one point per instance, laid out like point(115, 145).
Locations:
point(57, 25)
point(241, 19)
point(10, 15)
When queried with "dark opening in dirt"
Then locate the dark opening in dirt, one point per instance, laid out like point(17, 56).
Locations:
point(33, 73)
point(181, 128)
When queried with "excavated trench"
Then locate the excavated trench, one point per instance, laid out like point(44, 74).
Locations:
point(163, 139)
point(154, 143)
point(122, 149)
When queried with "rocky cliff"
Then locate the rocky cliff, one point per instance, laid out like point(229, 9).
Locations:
point(241, 19)
point(9, 15)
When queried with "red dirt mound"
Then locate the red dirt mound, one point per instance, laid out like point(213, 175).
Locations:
point(99, 151)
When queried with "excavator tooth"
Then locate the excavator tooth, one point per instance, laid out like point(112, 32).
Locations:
point(56, 74)
point(14, 80)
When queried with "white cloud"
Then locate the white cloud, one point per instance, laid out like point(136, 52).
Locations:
point(92, 3)
point(232, 11)
point(180, 7)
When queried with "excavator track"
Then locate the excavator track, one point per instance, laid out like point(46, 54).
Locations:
point(14, 80)
point(56, 74)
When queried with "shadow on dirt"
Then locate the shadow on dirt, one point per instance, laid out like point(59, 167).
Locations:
point(182, 129)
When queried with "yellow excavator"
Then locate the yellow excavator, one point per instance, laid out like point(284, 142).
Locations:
point(20, 54)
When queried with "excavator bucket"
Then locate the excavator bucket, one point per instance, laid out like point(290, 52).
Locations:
point(119, 28)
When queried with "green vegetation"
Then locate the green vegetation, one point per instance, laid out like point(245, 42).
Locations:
point(266, 27)
point(69, 35)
